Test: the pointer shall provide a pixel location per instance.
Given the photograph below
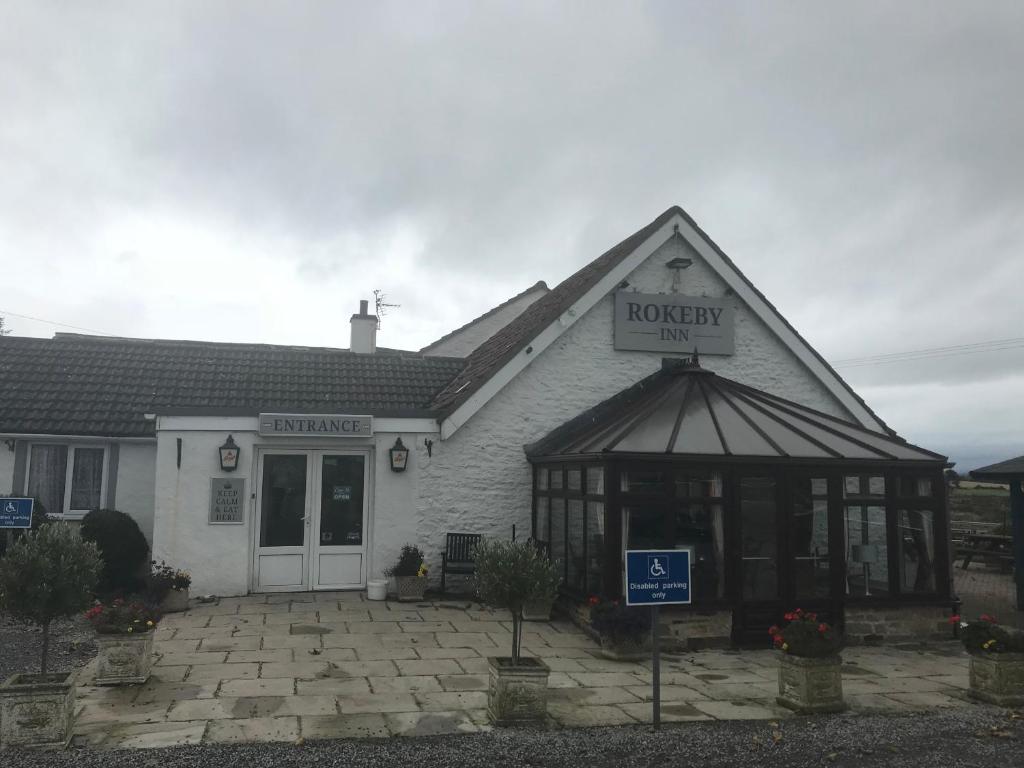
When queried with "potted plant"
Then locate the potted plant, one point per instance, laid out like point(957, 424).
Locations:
point(410, 573)
point(810, 669)
point(511, 575)
point(997, 660)
point(48, 574)
point(124, 640)
point(539, 610)
point(168, 588)
point(625, 631)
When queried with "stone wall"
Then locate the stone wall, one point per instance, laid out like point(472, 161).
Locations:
point(876, 625)
point(695, 631)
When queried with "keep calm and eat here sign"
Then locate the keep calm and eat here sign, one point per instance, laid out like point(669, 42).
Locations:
point(657, 322)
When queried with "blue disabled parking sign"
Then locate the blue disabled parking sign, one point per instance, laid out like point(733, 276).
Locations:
point(15, 513)
point(657, 577)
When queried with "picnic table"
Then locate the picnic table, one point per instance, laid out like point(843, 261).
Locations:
point(992, 547)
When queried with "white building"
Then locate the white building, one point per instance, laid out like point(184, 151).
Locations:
point(807, 496)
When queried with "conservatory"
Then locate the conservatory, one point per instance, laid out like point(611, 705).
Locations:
point(780, 505)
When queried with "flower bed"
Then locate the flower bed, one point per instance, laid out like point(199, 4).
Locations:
point(997, 660)
point(124, 640)
point(810, 669)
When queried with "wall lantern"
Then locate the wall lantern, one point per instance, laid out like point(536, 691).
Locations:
point(399, 456)
point(229, 455)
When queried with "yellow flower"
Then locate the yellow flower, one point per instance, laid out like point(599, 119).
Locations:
point(129, 630)
point(137, 621)
point(785, 646)
point(149, 623)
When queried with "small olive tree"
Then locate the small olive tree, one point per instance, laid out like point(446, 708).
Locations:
point(511, 575)
point(49, 574)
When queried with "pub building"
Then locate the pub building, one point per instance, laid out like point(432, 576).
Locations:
point(653, 399)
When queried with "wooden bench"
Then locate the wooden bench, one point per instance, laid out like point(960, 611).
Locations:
point(458, 555)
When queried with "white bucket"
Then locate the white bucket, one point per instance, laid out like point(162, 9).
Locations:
point(377, 590)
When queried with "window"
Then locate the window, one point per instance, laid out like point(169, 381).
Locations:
point(811, 574)
point(558, 533)
point(917, 553)
point(595, 546)
point(575, 560)
point(67, 479)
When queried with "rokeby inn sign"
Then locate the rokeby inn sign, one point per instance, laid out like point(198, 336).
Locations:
point(656, 322)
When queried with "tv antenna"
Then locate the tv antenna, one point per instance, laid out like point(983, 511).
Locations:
point(382, 306)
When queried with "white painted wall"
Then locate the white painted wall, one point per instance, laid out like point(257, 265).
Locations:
point(136, 479)
point(219, 557)
point(6, 469)
point(465, 340)
point(479, 479)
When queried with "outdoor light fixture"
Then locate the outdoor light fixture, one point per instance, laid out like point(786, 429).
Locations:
point(229, 455)
point(399, 456)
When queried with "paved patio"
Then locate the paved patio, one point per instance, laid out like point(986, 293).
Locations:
point(334, 665)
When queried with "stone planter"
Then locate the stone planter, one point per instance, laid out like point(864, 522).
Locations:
point(538, 611)
point(626, 650)
point(517, 693)
point(998, 678)
point(811, 686)
point(175, 601)
point(124, 659)
point(410, 589)
point(36, 712)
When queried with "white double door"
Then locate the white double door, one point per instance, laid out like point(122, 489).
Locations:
point(312, 510)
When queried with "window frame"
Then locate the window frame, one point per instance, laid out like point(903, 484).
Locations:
point(66, 513)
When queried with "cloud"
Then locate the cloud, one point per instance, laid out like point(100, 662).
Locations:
point(250, 171)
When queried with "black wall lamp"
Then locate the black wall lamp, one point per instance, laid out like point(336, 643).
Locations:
point(399, 456)
point(229, 455)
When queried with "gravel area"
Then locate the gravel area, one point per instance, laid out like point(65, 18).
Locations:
point(980, 736)
point(71, 646)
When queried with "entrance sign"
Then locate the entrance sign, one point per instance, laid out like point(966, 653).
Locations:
point(15, 512)
point(227, 500)
point(658, 577)
point(657, 322)
point(316, 425)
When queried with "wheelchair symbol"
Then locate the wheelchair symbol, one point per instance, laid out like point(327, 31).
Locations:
point(11, 508)
point(656, 569)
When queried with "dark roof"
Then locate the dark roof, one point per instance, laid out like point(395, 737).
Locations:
point(685, 410)
point(90, 385)
point(539, 285)
point(1011, 469)
point(489, 357)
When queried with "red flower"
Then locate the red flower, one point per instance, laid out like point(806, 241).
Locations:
point(593, 600)
point(988, 618)
point(773, 630)
point(789, 616)
point(823, 628)
point(954, 619)
point(777, 641)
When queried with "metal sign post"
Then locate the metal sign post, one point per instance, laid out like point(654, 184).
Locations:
point(657, 577)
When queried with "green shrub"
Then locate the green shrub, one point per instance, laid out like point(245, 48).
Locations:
point(409, 562)
point(511, 575)
point(122, 546)
point(49, 574)
point(620, 623)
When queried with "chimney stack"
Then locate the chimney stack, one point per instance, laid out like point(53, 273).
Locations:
point(364, 330)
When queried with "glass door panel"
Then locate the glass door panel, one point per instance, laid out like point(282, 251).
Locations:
point(339, 549)
point(283, 503)
point(759, 536)
point(812, 575)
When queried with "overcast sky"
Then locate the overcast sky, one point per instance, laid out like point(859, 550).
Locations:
point(248, 171)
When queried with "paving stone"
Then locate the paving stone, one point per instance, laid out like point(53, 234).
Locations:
point(547, 652)
point(228, 622)
point(448, 653)
point(428, 667)
point(374, 627)
point(363, 669)
point(384, 654)
point(151, 693)
point(404, 684)
point(190, 659)
point(244, 643)
point(304, 669)
point(201, 709)
point(927, 700)
point(168, 674)
point(270, 655)
point(607, 665)
point(956, 681)
point(156, 735)
point(558, 664)
point(443, 701)
point(377, 702)
point(477, 666)
point(668, 693)
point(281, 706)
point(592, 696)
point(332, 686)
point(99, 712)
point(292, 641)
point(872, 702)
point(174, 646)
point(293, 617)
point(563, 680)
point(597, 679)
point(574, 716)
point(265, 686)
point(737, 691)
point(262, 608)
point(336, 654)
point(207, 672)
point(741, 710)
point(430, 723)
point(463, 682)
point(425, 626)
point(396, 640)
point(253, 729)
point(671, 712)
point(344, 726)
point(465, 640)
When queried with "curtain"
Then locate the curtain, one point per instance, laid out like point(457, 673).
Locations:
point(48, 475)
point(86, 479)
